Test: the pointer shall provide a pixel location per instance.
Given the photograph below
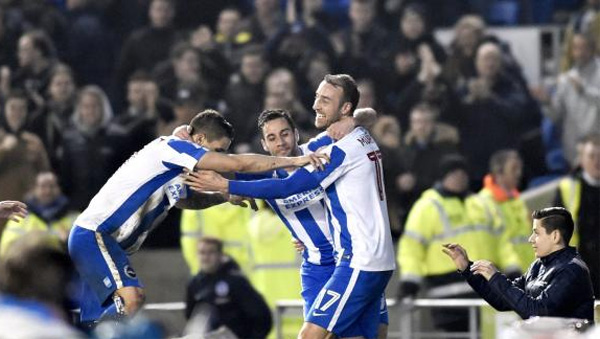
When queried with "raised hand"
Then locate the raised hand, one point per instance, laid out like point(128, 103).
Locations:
point(13, 210)
point(457, 254)
point(314, 159)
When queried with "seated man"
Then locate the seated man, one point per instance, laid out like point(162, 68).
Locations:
point(221, 286)
point(557, 284)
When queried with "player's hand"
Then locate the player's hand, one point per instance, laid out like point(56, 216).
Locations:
point(243, 202)
point(206, 181)
point(13, 210)
point(317, 160)
point(341, 128)
point(458, 254)
point(485, 268)
point(298, 245)
point(182, 132)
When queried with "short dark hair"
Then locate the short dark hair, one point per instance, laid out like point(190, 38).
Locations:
point(426, 107)
point(36, 267)
point(556, 218)
point(211, 123)
point(16, 94)
point(212, 241)
point(348, 86)
point(499, 159)
point(181, 48)
point(140, 76)
point(272, 114)
point(42, 42)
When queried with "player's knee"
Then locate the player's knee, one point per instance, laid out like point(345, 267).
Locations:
point(133, 300)
point(312, 331)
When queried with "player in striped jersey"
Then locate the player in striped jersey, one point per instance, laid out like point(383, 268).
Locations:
point(350, 303)
point(137, 197)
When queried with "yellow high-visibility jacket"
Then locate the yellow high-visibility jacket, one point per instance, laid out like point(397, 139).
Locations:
point(570, 193)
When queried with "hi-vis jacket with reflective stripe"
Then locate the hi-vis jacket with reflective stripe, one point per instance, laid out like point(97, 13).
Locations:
point(435, 220)
point(58, 229)
point(226, 222)
point(570, 193)
point(512, 217)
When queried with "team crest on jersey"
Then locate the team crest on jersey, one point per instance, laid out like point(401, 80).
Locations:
point(129, 272)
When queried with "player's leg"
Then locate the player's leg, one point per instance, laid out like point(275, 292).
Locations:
point(104, 268)
point(313, 278)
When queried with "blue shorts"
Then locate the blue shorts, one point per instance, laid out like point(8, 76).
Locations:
point(103, 267)
point(313, 278)
point(352, 303)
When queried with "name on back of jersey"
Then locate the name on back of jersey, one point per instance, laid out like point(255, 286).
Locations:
point(301, 200)
point(365, 139)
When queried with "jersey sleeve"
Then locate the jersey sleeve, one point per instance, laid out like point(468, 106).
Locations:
point(321, 140)
point(336, 168)
point(181, 154)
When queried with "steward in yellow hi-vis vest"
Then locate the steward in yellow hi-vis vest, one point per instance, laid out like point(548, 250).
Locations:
point(226, 222)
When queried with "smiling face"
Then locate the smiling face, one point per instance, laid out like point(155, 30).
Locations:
point(328, 106)
point(279, 138)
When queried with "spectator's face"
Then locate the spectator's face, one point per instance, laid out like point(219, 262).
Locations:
point(46, 188)
point(590, 160)
point(161, 13)
point(328, 105)
point(27, 53)
point(16, 113)
point(511, 173)
point(456, 181)
point(90, 110)
point(466, 39)
point(361, 15)
point(62, 87)
point(266, 7)
point(367, 95)
point(404, 63)
point(136, 93)
point(228, 21)
point(279, 139)
point(253, 69)
point(421, 124)
point(187, 67)
point(412, 25)
point(210, 258)
point(542, 242)
point(488, 61)
point(317, 70)
point(581, 51)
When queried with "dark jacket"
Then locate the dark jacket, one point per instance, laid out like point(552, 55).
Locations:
point(233, 301)
point(557, 285)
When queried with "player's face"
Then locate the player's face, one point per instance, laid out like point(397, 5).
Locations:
point(217, 145)
point(327, 105)
point(279, 139)
point(209, 256)
point(542, 242)
point(590, 160)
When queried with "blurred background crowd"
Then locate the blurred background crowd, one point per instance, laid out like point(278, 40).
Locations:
point(85, 83)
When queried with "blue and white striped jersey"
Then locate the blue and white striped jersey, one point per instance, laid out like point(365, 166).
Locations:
point(139, 194)
point(304, 213)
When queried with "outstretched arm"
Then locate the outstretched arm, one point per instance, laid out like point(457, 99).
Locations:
point(254, 163)
point(199, 201)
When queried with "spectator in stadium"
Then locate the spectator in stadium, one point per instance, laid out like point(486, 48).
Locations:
point(415, 31)
point(147, 46)
point(36, 285)
point(147, 113)
point(557, 283)
point(500, 196)
point(228, 38)
point(364, 46)
point(403, 70)
point(89, 148)
point(22, 154)
point(576, 103)
point(37, 56)
point(580, 194)
point(50, 122)
point(9, 37)
point(181, 74)
point(491, 99)
point(245, 94)
point(48, 214)
point(231, 299)
point(425, 144)
point(264, 23)
point(313, 69)
point(586, 21)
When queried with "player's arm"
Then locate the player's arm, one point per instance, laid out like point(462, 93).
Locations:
point(199, 201)
point(254, 163)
